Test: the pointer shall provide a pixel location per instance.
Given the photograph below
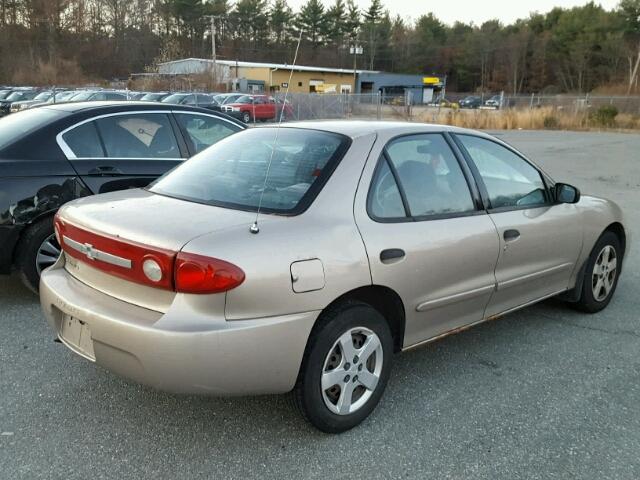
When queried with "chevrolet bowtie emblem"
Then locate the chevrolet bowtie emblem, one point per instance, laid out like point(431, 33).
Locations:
point(89, 251)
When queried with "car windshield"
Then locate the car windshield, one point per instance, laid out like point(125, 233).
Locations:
point(15, 96)
point(175, 98)
point(232, 98)
point(231, 173)
point(19, 124)
point(243, 99)
point(43, 96)
point(81, 97)
point(61, 96)
point(152, 97)
point(4, 94)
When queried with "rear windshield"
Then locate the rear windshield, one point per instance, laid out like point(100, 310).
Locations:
point(233, 172)
point(19, 124)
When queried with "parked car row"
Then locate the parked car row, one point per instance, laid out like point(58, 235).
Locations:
point(474, 101)
point(248, 108)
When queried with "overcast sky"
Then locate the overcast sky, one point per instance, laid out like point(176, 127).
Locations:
point(476, 11)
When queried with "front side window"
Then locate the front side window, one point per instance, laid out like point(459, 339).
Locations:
point(243, 168)
point(430, 178)
point(84, 141)
point(142, 135)
point(510, 180)
point(203, 131)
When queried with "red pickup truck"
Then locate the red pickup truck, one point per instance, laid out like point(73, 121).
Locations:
point(257, 107)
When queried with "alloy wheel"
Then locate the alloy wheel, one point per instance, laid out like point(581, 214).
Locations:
point(604, 273)
point(48, 253)
point(351, 370)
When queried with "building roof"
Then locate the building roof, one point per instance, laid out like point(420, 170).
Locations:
point(283, 66)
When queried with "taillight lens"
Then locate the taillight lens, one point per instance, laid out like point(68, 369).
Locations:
point(155, 267)
point(200, 274)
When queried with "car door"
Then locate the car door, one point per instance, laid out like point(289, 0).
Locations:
point(262, 108)
point(124, 150)
point(540, 240)
point(201, 131)
point(426, 233)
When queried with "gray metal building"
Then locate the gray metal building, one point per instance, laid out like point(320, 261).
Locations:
point(422, 89)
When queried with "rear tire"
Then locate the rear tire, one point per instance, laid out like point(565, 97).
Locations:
point(36, 251)
point(601, 274)
point(345, 368)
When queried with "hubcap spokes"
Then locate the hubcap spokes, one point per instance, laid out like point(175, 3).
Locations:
point(604, 273)
point(351, 370)
point(48, 253)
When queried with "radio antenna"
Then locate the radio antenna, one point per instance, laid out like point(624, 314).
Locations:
point(254, 226)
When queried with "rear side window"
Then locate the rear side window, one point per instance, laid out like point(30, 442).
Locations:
point(244, 168)
point(510, 180)
point(203, 131)
point(84, 142)
point(142, 135)
point(429, 176)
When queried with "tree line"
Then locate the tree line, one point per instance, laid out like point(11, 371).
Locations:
point(563, 50)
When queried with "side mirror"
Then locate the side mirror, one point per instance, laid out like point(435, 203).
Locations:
point(566, 193)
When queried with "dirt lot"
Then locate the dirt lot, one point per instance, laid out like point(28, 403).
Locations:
point(542, 393)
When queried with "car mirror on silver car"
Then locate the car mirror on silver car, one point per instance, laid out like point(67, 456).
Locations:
point(566, 193)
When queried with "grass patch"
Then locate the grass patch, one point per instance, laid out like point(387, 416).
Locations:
point(535, 119)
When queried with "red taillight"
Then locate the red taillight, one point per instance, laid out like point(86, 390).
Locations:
point(155, 267)
point(200, 274)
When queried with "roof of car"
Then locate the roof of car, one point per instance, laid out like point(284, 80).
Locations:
point(120, 106)
point(106, 108)
point(358, 128)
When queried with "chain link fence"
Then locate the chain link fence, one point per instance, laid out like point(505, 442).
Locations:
point(376, 106)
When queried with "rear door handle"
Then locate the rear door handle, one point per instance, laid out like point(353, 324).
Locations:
point(391, 254)
point(511, 235)
point(105, 170)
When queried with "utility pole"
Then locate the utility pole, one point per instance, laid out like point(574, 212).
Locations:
point(213, 19)
point(355, 50)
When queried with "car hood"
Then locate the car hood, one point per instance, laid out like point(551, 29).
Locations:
point(151, 219)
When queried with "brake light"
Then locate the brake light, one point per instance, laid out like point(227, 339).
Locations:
point(200, 274)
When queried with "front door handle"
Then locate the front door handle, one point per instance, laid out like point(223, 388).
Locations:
point(511, 235)
point(391, 254)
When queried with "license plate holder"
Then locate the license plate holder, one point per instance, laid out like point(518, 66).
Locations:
point(77, 336)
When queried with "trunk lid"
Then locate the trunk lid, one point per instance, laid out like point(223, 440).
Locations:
point(144, 218)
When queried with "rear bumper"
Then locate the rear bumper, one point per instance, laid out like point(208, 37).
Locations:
point(222, 358)
point(9, 235)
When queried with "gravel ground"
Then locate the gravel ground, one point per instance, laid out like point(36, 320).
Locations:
point(542, 393)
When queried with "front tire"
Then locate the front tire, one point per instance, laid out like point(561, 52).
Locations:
point(601, 274)
point(38, 249)
point(246, 117)
point(345, 368)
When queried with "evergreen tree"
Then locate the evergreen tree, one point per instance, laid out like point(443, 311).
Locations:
point(312, 20)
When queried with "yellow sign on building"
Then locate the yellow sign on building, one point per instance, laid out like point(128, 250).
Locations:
point(431, 80)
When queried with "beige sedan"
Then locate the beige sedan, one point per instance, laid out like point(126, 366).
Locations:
point(301, 258)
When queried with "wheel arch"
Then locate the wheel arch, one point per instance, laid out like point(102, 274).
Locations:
point(618, 230)
point(383, 299)
point(25, 229)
